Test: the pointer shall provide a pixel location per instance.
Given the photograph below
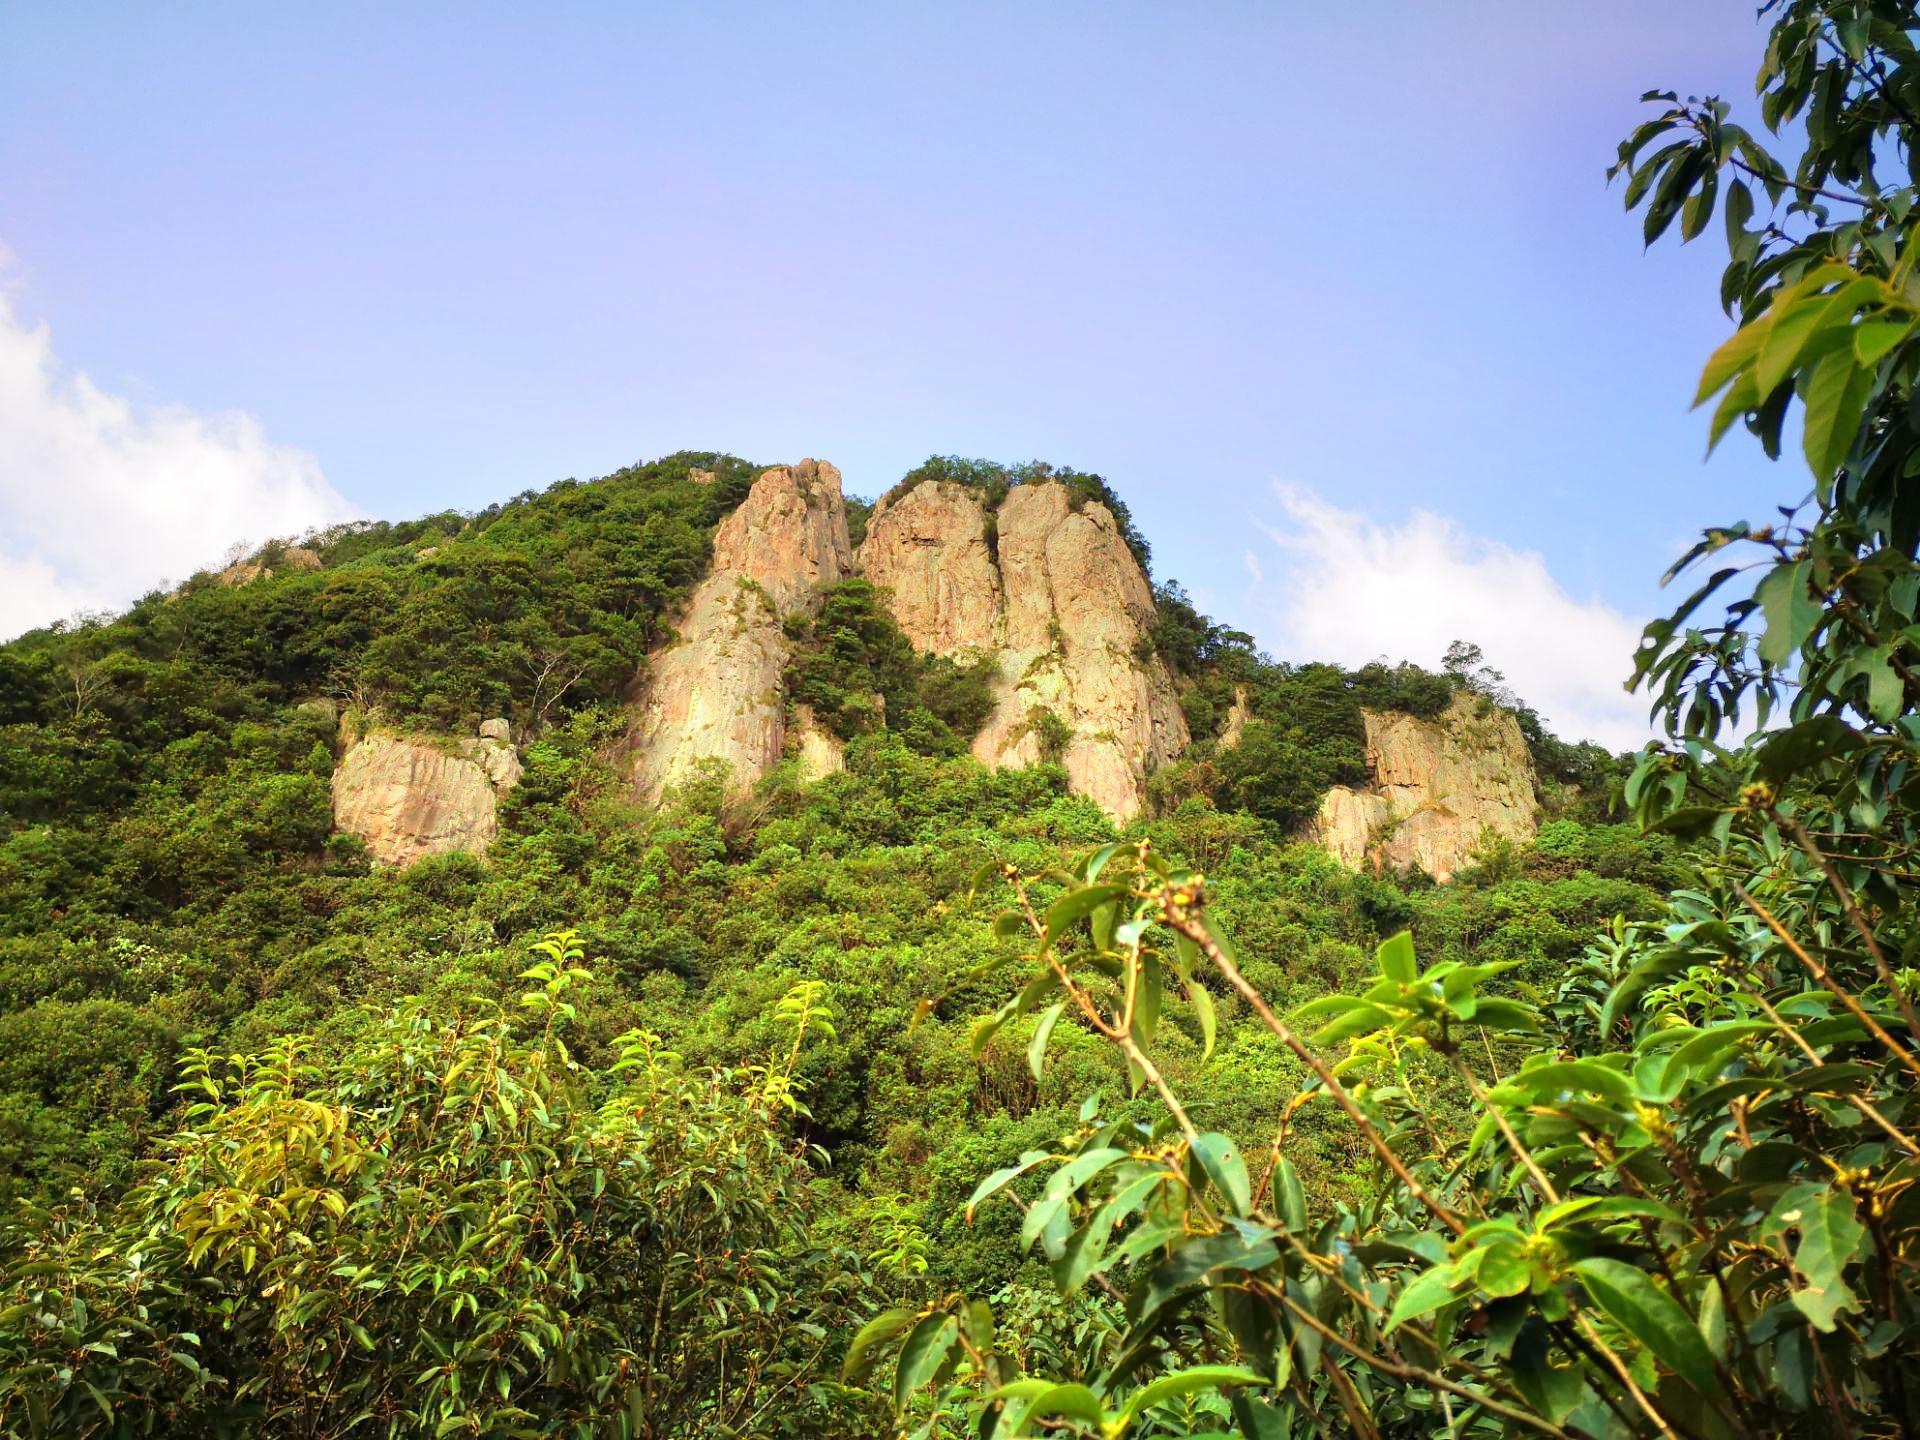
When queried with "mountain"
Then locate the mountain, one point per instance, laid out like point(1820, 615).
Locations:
point(1034, 588)
point(746, 743)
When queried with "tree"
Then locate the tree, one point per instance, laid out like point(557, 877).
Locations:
point(455, 1227)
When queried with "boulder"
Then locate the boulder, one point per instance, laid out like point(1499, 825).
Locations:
point(789, 536)
point(407, 797)
point(1439, 788)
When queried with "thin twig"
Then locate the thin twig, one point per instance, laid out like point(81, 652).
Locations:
point(1819, 972)
point(1856, 915)
point(1176, 916)
point(1399, 1371)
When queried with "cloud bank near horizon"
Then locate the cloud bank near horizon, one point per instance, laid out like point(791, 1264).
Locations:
point(1352, 589)
point(101, 501)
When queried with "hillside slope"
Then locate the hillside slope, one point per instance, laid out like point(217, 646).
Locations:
point(171, 874)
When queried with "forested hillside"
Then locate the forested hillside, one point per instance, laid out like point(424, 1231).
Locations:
point(171, 882)
point(171, 878)
point(966, 1062)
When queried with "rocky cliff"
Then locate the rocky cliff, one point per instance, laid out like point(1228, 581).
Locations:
point(1054, 595)
point(1043, 586)
point(929, 550)
point(408, 797)
point(716, 693)
point(1438, 787)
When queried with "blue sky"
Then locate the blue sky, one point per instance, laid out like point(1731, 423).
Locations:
point(1335, 295)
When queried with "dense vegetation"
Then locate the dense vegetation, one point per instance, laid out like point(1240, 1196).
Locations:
point(204, 997)
point(747, 1116)
point(859, 673)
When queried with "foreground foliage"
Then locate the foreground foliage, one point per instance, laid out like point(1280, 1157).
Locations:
point(454, 1228)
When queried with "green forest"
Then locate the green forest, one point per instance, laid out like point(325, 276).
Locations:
point(922, 1099)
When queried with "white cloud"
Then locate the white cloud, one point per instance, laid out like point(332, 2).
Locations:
point(100, 501)
point(1355, 589)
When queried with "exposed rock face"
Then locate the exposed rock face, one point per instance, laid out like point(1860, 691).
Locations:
point(717, 693)
point(818, 749)
point(929, 549)
point(1061, 603)
point(1237, 716)
point(407, 798)
point(1439, 786)
point(789, 536)
point(293, 558)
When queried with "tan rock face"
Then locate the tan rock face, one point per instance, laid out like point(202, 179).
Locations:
point(929, 550)
point(818, 749)
point(1440, 786)
point(293, 558)
point(716, 693)
point(1237, 716)
point(1062, 607)
point(408, 798)
point(789, 536)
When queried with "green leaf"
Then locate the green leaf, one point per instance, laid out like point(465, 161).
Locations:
point(1220, 1158)
point(1790, 611)
point(1830, 1237)
point(1504, 1269)
point(1202, 1002)
point(1705, 1051)
point(1605, 1207)
point(1042, 1032)
point(1498, 1013)
point(1097, 861)
point(1249, 1249)
point(1874, 338)
point(1836, 395)
point(923, 1354)
point(1736, 352)
point(1713, 1320)
point(1699, 207)
point(1565, 1075)
point(877, 1331)
point(1360, 1019)
point(1787, 333)
point(1076, 1402)
point(1423, 1295)
point(1000, 1178)
point(1651, 1316)
point(1396, 958)
point(1188, 1382)
point(1076, 905)
point(1290, 1195)
point(1060, 1187)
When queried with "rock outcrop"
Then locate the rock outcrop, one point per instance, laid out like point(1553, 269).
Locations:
point(1439, 788)
point(408, 797)
point(929, 551)
point(293, 559)
point(819, 751)
point(1055, 596)
point(1238, 714)
point(717, 693)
